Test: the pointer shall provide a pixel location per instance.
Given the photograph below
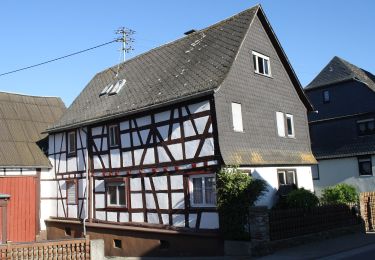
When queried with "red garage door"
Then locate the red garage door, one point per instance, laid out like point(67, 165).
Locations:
point(21, 209)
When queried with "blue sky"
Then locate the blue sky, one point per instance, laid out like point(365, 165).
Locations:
point(311, 33)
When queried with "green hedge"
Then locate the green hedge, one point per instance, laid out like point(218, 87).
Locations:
point(237, 191)
point(341, 193)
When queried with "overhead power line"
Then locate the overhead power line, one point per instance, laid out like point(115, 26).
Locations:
point(60, 58)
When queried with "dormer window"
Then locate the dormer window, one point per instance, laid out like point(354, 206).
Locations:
point(113, 89)
point(261, 64)
point(326, 96)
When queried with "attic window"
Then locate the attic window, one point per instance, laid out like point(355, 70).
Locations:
point(113, 89)
point(326, 96)
point(261, 64)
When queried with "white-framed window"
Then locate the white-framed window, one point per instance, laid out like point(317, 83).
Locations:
point(261, 64)
point(289, 125)
point(287, 176)
point(116, 196)
point(203, 190)
point(71, 192)
point(237, 117)
point(113, 135)
point(326, 96)
point(285, 125)
point(72, 142)
point(117, 87)
point(365, 166)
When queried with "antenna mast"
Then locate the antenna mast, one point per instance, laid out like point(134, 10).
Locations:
point(126, 39)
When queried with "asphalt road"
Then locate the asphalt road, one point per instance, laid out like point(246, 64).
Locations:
point(361, 253)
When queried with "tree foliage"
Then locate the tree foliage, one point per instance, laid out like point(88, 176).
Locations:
point(237, 191)
point(340, 193)
point(301, 198)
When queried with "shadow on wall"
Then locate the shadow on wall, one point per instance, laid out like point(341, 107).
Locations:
point(269, 198)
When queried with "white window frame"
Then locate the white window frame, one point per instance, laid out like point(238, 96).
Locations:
point(108, 195)
point(289, 116)
point(237, 121)
point(284, 172)
point(116, 137)
point(263, 57)
point(191, 189)
point(72, 149)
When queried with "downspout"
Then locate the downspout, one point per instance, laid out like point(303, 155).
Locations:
point(87, 184)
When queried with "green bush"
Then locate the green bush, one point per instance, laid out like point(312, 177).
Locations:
point(341, 193)
point(301, 198)
point(236, 191)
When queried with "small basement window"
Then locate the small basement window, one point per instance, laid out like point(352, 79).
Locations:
point(72, 142)
point(117, 243)
point(261, 64)
point(113, 135)
point(365, 166)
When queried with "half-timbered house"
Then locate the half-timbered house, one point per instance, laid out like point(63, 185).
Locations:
point(24, 166)
point(136, 155)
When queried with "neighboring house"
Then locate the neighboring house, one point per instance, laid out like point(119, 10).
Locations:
point(24, 165)
point(154, 131)
point(343, 130)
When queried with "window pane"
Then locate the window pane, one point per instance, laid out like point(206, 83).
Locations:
point(290, 177)
point(112, 191)
point(266, 67)
point(365, 167)
point(281, 178)
point(260, 64)
point(210, 190)
point(326, 96)
point(71, 142)
point(121, 194)
point(255, 62)
point(371, 126)
point(289, 124)
point(197, 191)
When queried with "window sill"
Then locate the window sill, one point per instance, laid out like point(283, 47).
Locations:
point(203, 206)
point(264, 75)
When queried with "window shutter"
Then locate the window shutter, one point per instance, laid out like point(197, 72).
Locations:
point(237, 117)
point(71, 193)
point(280, 120)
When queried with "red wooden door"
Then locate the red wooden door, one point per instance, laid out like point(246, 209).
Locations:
point(21, 209)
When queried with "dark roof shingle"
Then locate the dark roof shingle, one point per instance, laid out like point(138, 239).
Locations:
point(338, 70)
point(22, 121)
point(193, 65)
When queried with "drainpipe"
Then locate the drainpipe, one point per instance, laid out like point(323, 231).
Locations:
point(87, 184)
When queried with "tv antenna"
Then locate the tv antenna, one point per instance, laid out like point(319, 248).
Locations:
point(126, 39)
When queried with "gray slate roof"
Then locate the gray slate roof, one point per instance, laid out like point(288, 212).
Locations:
point(188, 67)
point(338, 70)
point(22, 121)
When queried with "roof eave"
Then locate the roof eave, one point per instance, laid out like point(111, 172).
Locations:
point(123, 114)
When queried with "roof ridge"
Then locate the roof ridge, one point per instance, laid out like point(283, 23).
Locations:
point(218, 23)
point(27, 95)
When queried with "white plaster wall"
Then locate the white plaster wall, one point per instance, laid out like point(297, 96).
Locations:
point(269, 175)
point(345, 170)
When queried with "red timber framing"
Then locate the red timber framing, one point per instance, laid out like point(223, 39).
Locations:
point(156, 153)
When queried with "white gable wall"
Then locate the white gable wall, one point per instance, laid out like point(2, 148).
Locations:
point(269, 175)
point(343, 170)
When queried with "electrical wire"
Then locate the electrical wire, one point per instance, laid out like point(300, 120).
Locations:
point(56, 59)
